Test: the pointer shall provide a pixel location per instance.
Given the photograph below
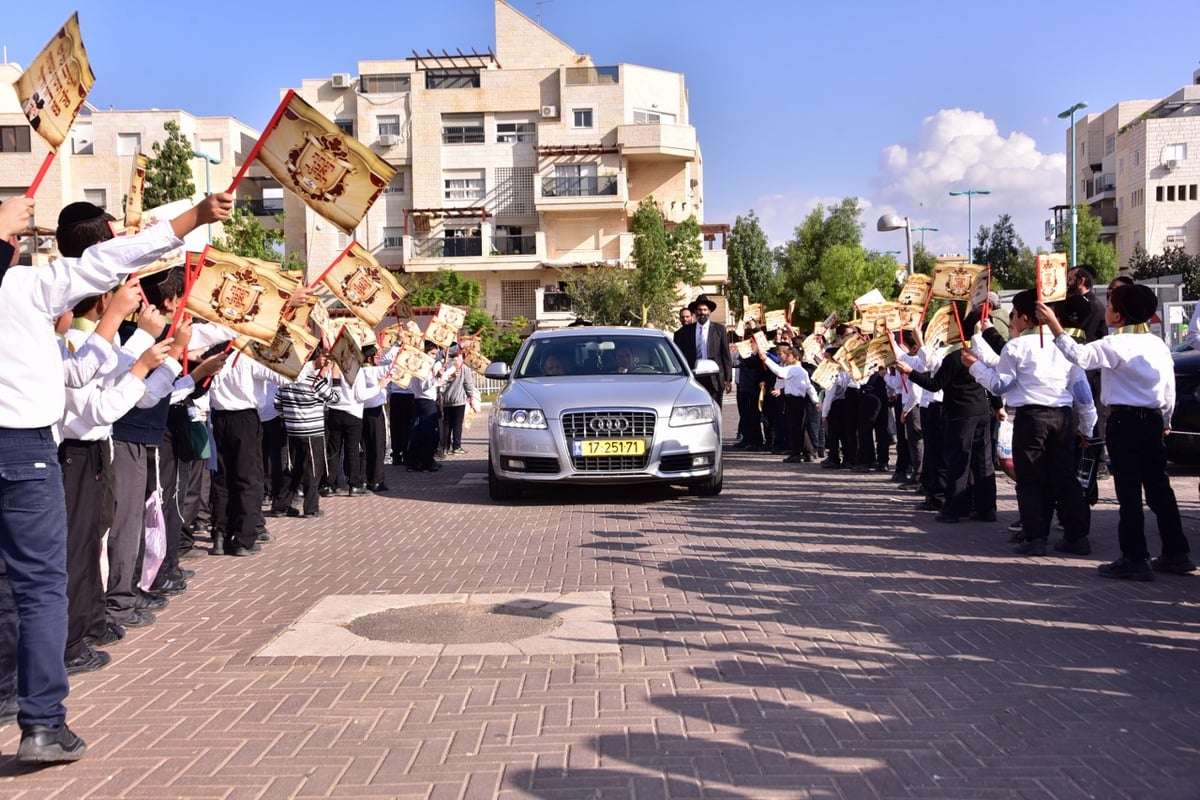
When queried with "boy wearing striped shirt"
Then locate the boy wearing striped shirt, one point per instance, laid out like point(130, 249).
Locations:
point(302, 406)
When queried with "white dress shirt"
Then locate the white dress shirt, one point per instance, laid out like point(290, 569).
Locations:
point(1136, 369)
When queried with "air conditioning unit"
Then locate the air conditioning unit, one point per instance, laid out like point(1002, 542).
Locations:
point(1170, 164)
point(341, 80)
point(387, 139)
point(45, 243)
point(549, 112)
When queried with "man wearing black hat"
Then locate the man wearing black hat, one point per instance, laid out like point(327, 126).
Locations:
point(707, 339)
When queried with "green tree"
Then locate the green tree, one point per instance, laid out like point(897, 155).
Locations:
point(751, 264)
point(169, 169)
point(1000, 247)
point(603, 295)
point(664, 260)
point(245, 236)
point(1172, 261)
point(447, 287)
point(923, 260)
point(1100, 256)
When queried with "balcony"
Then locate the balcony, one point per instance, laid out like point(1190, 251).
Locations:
point(1102, 187)
point(422, 253)
point(657, 141)
point(448, 247)
point(514, 245)
point(580, 193)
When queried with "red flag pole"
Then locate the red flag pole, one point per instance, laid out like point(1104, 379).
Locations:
point(343, 254)
point(958, 321)
point(287, 99)
point(1041, 333)
point(37, 179)
point(188, 282)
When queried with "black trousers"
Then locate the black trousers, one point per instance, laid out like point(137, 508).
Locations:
point(400, 413)
point(307, 457)
point(343, 433)
point(749, 417)
point(374, 443)
point(195, 486)
point(168, 482)
point(452, 425)
point(238, 484)
point(967, 447)
point(1139, 463)
point(423, 437)
point(903, 457)
point(84, 468)
point(796, 409)
point(933, 462)
point(275, 456)
point(869, 410)
point(1044, 463)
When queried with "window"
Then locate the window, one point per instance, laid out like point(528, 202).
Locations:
point(1137, 198)
point(1176, 236)
point(97, 197)
point(1175, 152)
point(129, 144)
point(452, 79)
point(272, 199)
point(346, 126)
point(1137, 158)
point(1121, 166)
point(14, 139)
point(393, 237)
point(1191, 191)
point(388, 124)
point(583, 118)
point(644, 117)
point(464, 186)
point(462, 241)
point(384, 83)
point(1110, 144)
point(1158, 194)
point(81, 139)
point(462, 130)
point(512, 132)
point(397, 184)
point(1170, 194)
point(212, 147)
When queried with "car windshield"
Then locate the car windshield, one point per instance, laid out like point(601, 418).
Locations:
point(598, 354)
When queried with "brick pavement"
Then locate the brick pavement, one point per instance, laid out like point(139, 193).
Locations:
point(804, 635)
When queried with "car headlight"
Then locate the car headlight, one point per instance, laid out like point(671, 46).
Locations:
point(522, 418)
point(692, 415)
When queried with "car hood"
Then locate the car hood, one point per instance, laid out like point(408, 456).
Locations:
point(554, 395)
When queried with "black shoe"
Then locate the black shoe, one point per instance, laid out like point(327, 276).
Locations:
point(900, 476)
point(317, 513)
point(831, 464)
point(113, 633)
point(265, 536)
point(1127, 569)
point(738, 446)
point(182, 574)
point(359, 491)
point(880, 467)
point(792, 460)
point(149, 600)
point(42, 744)
point(930, 505)
point(949, 519)
point(218, 547)
point(377, 487)
point(434, 467)
point(326, 491)
point(1176, 565)
point(862, 468)
point(1030, 547)
point(1075, 547)
point(240, 551)
point(1016, 527)
point(982, 516)
point(88, 661)
point(806, 458)
point(275, 512)
point(397, 459)
point(910, 485)
point(820, 453)
point(140, 619)
point(170, 586)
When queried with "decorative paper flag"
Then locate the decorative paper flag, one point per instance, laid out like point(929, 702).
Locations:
point(954, 281)
point(365, 287)
point(856, 359)
point(842, 356)
point(287, 353)
point(334, 173)
point(753, 312)
point(907, 317)
point(410, 363)
point(775, 320)
point(476, 360)
point(740, 330)
point(760, 339)
point(915, 291)
point(348, 355)
point(744, 348)
point(452, 315)
point(791, 307)
point(937, 331)
point(826, 373)
point(443, 328)
point(873, 314)
point(980, 288)
point(813, 346)
point(137, 191)
point(873, 297)
point(243, 294)
point(830, 321)
point(879, 354)
point(323, 325)
point(53, 89)
point(1052, 277)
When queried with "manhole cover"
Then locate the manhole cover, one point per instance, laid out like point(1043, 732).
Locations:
point(456, 623)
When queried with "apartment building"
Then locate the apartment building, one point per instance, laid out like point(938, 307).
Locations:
point(96, 162)
point(513, 165)
point(1137, 165)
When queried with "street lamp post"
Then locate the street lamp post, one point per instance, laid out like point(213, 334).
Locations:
point(894, 222)
point(1070, 112)
point(922, 229)
point(970, 193)
point(208, 160)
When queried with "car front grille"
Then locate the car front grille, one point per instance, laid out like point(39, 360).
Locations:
point(610, 424)
point(679, 462)
point(541, 465)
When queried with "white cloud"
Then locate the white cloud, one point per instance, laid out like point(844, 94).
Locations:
point(958, 149)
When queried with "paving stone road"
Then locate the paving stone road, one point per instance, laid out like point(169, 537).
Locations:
point(807, 634)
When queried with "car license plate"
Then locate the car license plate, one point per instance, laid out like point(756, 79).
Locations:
point(609, 447)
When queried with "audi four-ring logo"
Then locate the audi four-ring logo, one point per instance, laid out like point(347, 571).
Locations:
point(609, 424)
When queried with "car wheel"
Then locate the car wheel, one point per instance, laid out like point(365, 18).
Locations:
point(500, 489)
point(711, 487)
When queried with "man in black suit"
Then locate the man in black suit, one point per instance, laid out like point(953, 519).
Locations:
point(707, 339)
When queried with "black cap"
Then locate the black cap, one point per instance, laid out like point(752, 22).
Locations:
point(81, 211)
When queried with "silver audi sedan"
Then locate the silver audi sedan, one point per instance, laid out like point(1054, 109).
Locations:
point(602, 405)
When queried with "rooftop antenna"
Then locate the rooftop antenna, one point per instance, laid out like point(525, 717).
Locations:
point(538, 15)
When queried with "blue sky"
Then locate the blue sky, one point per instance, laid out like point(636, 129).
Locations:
point(794, 102)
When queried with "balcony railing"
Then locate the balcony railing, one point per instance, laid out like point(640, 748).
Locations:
point(514, 245)
point(576, 186)
point(448, 247)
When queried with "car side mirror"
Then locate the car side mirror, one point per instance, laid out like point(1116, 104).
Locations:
point(706, 366)
point(497, 370)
